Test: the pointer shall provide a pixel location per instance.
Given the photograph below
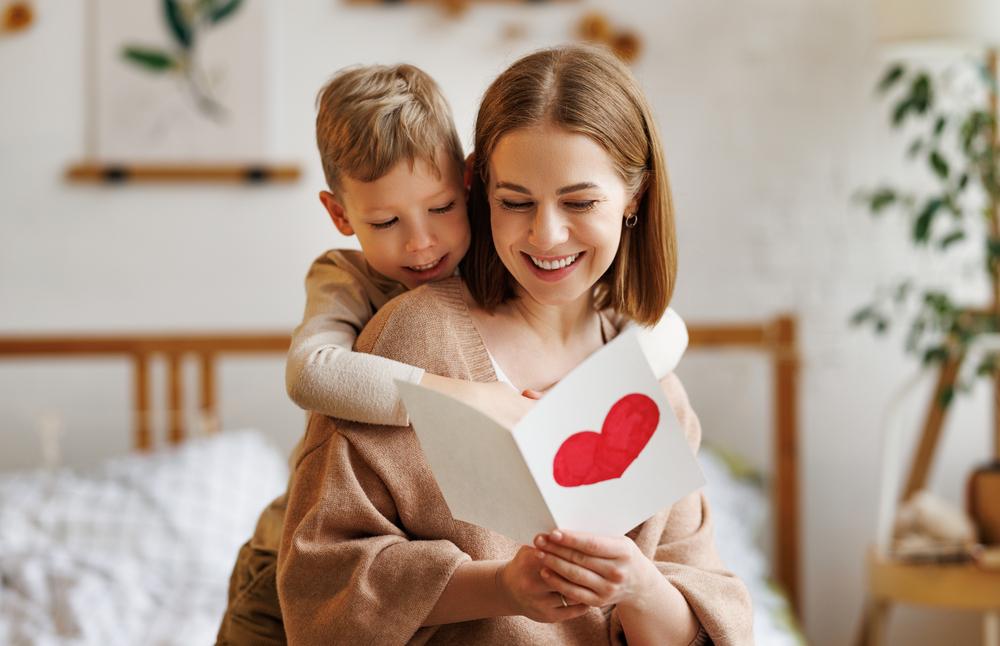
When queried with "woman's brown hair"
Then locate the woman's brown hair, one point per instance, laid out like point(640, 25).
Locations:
point(587, 90)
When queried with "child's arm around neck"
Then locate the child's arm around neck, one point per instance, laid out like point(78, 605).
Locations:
point(323, 373)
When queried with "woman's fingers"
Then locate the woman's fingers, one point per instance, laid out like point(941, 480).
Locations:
point(606, 568)
point(576, 574)
point(574, 593)
point(602, 546)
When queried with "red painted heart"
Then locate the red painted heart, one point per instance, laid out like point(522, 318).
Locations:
point(588, 457)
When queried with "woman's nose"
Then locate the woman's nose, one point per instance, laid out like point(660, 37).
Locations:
point(548, 229)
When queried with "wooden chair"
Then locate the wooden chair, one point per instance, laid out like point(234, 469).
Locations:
point(955, 586)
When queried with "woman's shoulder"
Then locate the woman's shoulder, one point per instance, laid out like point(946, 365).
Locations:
point(414, 313)
point(677, 397)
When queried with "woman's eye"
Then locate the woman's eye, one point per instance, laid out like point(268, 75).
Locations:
point(384, 225)
point(585, 205)
point(443, 209)
point(515, 206)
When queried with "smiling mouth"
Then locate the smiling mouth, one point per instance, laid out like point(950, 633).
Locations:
point(428, 266)
point(552, 264)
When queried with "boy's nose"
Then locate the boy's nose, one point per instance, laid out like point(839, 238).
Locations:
point(420, 239)
point(548, 230)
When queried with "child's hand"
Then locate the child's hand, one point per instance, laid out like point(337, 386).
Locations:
point(529, 595)
point(500, 401)
point(495, 399)
point(596, 570)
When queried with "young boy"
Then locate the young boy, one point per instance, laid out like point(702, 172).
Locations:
point(395, 170)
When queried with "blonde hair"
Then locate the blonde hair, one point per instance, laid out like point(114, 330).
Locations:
point(372, 117)
point(582, 89)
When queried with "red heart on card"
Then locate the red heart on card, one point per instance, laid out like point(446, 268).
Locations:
point(588, 457)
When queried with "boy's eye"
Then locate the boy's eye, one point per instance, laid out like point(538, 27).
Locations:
point(514, 206)
point(443, 209)
point(584, 205)
point(384, 225)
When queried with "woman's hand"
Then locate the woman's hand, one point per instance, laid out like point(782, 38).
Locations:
point(597, 570)
point(528, 594)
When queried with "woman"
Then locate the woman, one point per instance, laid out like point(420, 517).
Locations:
point(570, 213)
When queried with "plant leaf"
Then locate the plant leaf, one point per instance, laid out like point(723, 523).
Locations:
point(935, 354)
point(900, 111)
point(938, 164)
point(939, 125)
point(922, 226)
point(892, 75)
point(880, 199)
point(154, 60)
point(178, 23)
point(951, 238)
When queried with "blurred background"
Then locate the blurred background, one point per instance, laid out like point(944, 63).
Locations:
point(771, 125)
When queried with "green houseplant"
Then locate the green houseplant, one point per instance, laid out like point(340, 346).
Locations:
point(957, 143)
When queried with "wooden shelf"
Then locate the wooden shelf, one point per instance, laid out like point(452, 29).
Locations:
point(90, 172)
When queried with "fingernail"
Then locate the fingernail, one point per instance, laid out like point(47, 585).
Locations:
point(539, 541)
point(540, 555)
point(556, 535)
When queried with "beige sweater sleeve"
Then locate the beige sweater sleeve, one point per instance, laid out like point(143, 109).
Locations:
point(323, 373)
point(663, 344)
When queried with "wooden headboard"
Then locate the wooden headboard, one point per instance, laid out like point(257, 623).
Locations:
point(776, 338)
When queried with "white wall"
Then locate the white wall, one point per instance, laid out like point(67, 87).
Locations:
point(770, 125)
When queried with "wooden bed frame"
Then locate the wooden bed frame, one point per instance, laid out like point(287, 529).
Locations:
point(776, 338)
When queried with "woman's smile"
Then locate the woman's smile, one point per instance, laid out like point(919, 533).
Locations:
point(553, 268)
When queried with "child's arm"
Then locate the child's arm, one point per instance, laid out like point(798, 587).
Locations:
point(663, 344)
point(323, 373)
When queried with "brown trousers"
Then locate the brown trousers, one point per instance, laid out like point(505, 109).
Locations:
point(253, 616)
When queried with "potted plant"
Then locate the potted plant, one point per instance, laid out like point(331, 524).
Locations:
point(958, 205)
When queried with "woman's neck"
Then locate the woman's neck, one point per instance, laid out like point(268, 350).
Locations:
point(535, 344)
point(553, 324)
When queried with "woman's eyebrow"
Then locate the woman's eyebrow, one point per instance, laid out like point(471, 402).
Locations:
point(566, 189)
point(513, 187)
point(576, 187)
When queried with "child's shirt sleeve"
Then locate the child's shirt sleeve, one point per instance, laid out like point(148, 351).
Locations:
point(323, 373)
point(663, 344)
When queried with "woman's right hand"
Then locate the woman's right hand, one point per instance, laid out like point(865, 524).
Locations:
point(520, 580)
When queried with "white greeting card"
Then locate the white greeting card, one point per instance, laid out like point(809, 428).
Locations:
point(601, 452)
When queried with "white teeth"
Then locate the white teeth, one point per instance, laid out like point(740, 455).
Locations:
point(549, 265)
point(430, 265)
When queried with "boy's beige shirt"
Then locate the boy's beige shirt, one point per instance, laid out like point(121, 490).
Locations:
point(323, 374)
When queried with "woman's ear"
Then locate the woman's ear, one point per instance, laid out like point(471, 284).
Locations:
point(337, 213)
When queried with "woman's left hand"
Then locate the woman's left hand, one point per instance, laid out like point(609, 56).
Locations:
point(597, 570)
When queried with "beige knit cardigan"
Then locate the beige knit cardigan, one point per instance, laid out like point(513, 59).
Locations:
point(369, 544)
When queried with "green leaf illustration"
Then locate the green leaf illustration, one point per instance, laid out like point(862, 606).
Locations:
point(223, 11)
point(178, 23)
point(153, 60)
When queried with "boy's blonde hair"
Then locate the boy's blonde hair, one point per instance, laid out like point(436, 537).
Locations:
point(372, 117)
point(587, 90)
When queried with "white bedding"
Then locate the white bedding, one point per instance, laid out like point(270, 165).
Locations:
point(137, 552)
point(140, 550)
point(741, 512)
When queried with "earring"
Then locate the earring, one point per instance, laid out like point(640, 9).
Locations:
point(631, 221)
